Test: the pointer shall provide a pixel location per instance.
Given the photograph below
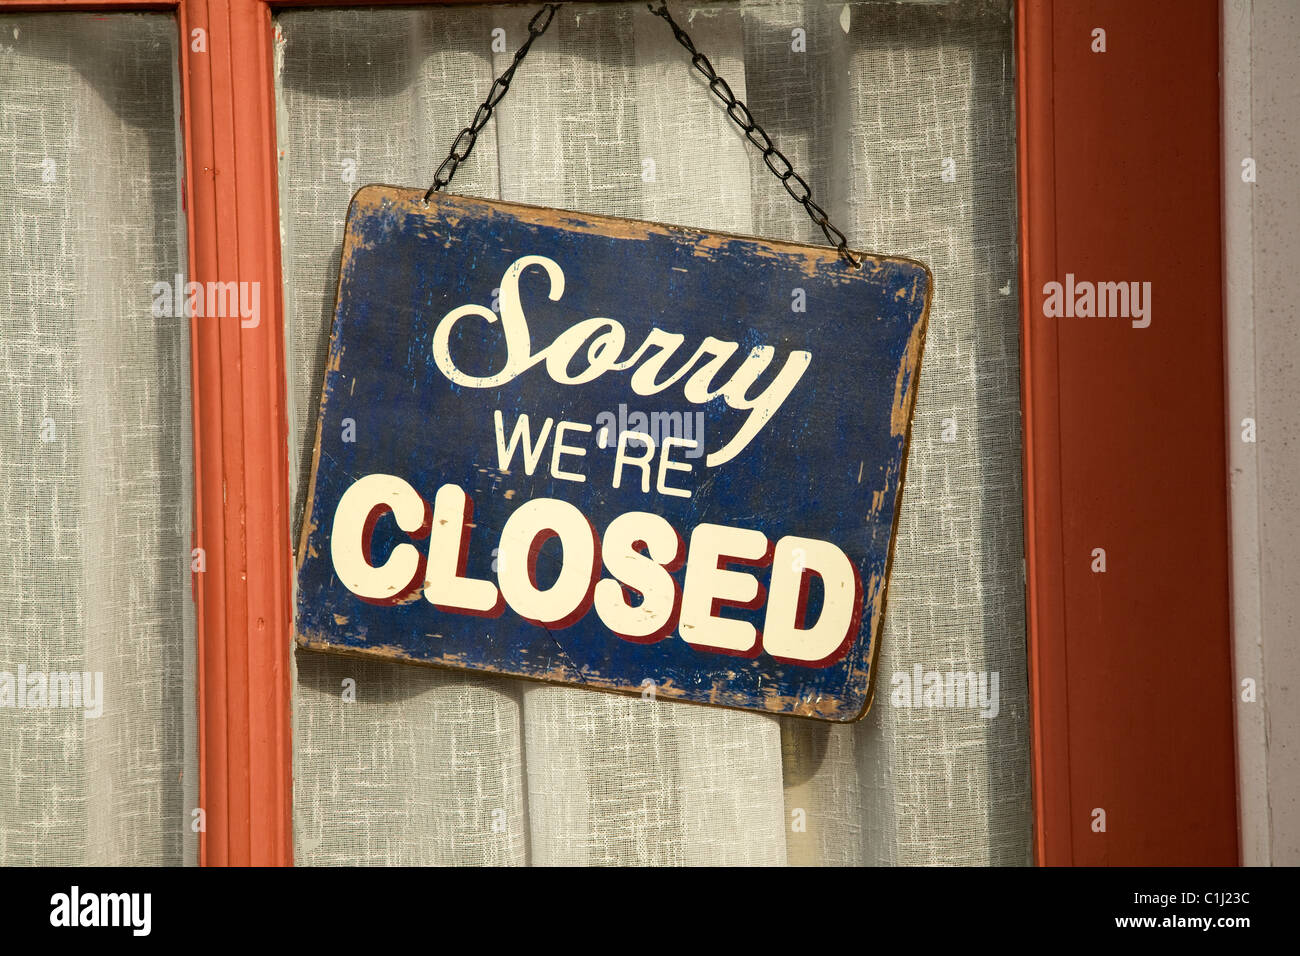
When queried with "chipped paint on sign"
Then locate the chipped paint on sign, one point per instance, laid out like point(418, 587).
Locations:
point(609, 453)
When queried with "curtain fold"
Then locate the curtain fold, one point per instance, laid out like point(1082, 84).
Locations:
point(869, 101)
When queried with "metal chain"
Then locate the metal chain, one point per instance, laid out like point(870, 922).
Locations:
point(536, 27)
point(794, 184)
point(774, 159)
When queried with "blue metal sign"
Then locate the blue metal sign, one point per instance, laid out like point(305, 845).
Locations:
point(608, 453)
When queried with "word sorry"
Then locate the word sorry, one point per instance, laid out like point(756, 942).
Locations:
point(639, 549)
point(599, 341)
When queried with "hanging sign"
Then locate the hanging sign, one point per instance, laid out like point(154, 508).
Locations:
point(608, 453)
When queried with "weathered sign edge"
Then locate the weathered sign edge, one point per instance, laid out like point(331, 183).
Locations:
point(533, 213)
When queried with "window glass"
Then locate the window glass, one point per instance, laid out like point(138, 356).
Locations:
point(97, 709)
point(901, 118)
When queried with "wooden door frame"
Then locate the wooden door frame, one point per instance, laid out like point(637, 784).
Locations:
point(1124, 432)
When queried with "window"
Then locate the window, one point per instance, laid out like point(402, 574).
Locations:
point(901, 119)
point(99, 760)
point(155, 460)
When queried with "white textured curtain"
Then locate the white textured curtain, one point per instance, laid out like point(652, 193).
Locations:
point(901, 118)
point(95, 462)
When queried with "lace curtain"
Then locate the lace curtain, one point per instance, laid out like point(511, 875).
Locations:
point(95, 465)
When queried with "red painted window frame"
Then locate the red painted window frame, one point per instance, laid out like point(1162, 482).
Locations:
point(1130, 671)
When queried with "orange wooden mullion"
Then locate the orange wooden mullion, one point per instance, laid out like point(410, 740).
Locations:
point(1130, 671)
point(241, 449)
point(1044, 557)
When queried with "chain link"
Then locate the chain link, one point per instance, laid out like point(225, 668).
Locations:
point(464, 142)
point(773, 158)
